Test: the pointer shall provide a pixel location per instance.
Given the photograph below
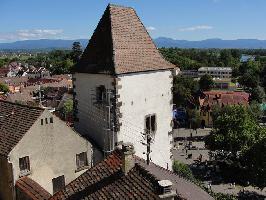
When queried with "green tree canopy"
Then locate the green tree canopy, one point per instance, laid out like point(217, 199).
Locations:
point(206, 82)
point(235, 130)
point(76, 51)
point(4, 88)
point(184, 89)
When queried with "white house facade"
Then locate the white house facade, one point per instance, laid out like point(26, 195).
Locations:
point(37, 144)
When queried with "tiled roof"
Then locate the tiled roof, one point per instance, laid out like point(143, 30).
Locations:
point(121, 44)
point(15, 121)
point(107, 181)
point(31, 189)
point(220, 98)
point(185, 189)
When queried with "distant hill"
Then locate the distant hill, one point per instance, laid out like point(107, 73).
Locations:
point(42, 44)
point(212, 43)
point(160, 42)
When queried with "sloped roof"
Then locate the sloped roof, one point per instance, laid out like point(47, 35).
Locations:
point(31, 189)
point(107, 181)
point(15, 121)
point(220, 98)
point(121, 44)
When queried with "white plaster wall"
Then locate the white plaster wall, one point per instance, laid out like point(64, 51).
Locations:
point(92, 119)
point(52, 150)
point(142, 94)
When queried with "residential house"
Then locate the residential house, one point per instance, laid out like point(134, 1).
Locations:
point(122, 175)
point(37, 72)
point(122, 87)
point(210, 99)
point(38, 145)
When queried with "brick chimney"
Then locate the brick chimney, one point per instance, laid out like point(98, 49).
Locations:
point(128, 161)
point(165, 190)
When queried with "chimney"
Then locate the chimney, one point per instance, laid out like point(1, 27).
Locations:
point(128, 161)
point(165, 190)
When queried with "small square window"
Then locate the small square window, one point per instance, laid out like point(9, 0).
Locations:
point(58, 183)
point(81, 160)
point(51, 120)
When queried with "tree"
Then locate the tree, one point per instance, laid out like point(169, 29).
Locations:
point(235, 130)
point(206, 82)
point(255, 110)
point(76, 51)
point(183, 170)
point(68, 107)
point(255, 161)
point(194, 118)
point(184, 90)
point(4, 88)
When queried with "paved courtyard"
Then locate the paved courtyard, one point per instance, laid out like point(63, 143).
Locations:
point(182, 139)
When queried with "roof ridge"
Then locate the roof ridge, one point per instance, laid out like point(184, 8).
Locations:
point(21, 105)
point(119, 6)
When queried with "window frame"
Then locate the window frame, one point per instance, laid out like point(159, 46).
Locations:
point(79, 161)
point(152, 129)
point(100, 93)
point(24, 166)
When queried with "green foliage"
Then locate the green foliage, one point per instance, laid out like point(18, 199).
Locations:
point(183, 170)
point(235, 130)
point(221, 196)
point(184, 89)
point(68, 107)
point(76, 51)
point(206, 83)
point(255, 110)
point(255, 161)
point(4, 88)
point(194, 118)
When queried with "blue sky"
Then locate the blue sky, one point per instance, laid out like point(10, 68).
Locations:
point(179, 19)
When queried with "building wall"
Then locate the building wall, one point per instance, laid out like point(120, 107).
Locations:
point(142, 94)
point(6, 182)
point(91, 117)
point(52, 150)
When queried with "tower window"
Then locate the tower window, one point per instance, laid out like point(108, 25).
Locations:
point(150, 123)
point(100, 93)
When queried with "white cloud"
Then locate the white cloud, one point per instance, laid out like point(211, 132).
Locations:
point(31, 34)
point(195, 28)
point(151, 28)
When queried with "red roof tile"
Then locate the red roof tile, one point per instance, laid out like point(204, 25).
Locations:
point(31, 189)
point(107, 181)
point(121, 44)
point(220, 98)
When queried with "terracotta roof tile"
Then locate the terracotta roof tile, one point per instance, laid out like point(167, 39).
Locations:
point(31, 189)
point(15, 121)
point(107, 181)
point(121, 44)
point(220, 98)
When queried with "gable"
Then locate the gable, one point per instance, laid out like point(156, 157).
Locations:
point(15, 121)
